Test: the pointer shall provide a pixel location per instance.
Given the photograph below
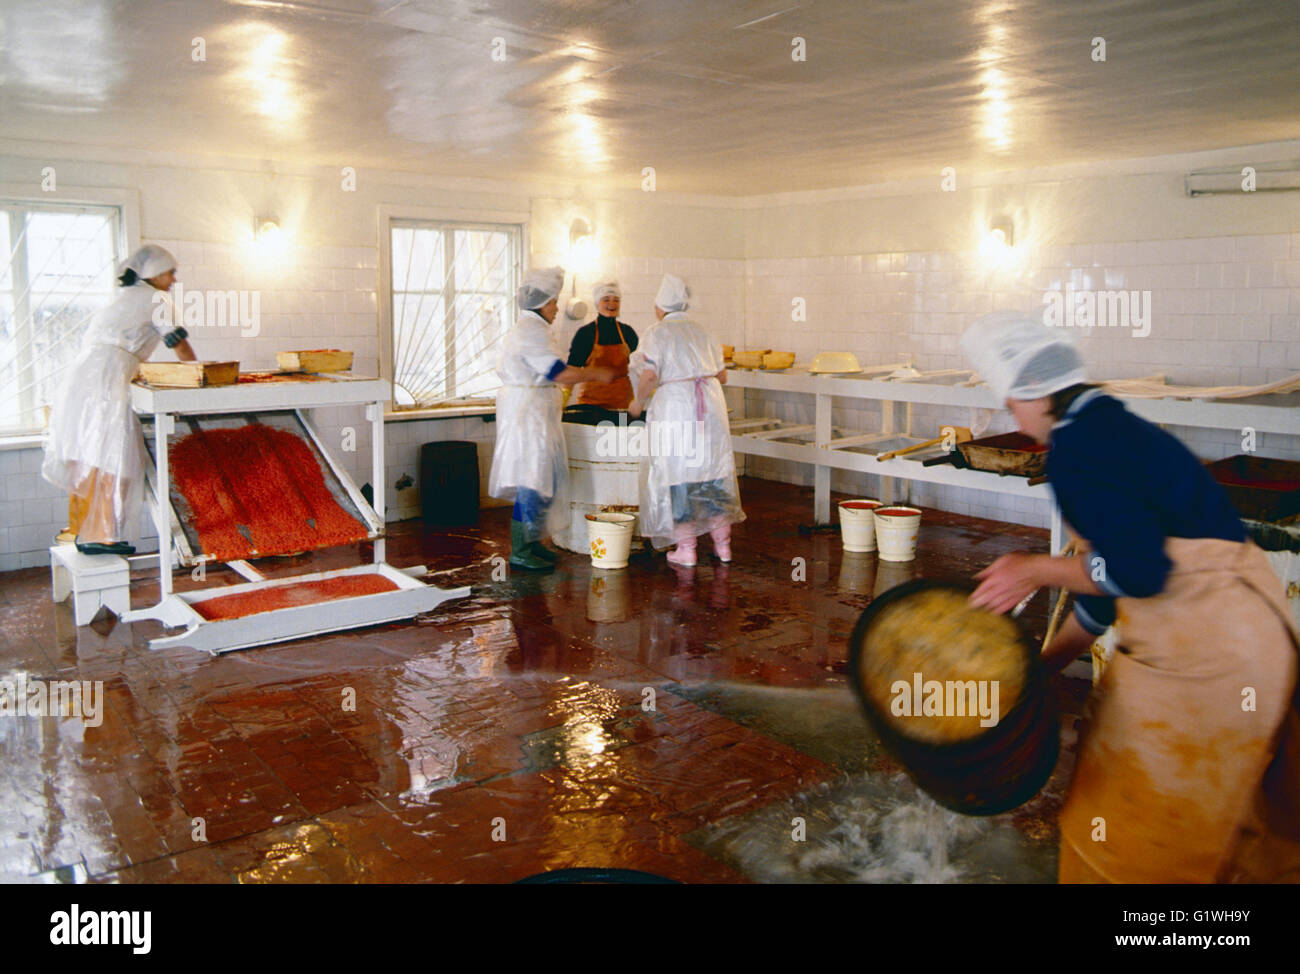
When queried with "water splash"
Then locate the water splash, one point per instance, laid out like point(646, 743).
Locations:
point(871, 829)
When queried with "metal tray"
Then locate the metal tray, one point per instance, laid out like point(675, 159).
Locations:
point(1009, 454)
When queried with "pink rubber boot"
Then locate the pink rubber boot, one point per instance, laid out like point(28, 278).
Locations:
point(722, 542)
point(684, 555)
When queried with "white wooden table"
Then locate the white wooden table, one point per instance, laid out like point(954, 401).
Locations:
point(826, 452)
point(410, 597)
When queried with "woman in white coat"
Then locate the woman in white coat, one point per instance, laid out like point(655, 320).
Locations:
point(96, 450)
point(689, 487)
point(530, 464)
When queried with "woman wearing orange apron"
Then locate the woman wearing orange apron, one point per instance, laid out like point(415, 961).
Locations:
point(604, 342)
point(1188, 766)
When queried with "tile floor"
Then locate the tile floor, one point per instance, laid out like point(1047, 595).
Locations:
point(506, 734)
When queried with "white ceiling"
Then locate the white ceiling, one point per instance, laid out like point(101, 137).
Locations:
point(705, 92)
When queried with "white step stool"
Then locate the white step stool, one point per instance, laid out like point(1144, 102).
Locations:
point(92, 581)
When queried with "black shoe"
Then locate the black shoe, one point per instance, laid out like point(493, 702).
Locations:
point(102, 548)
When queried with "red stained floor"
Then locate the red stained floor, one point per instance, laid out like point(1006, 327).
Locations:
point(544, 722)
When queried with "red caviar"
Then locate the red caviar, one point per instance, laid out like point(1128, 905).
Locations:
point(264, 479)
point(279, 377)
point(285, 596)
point(860, 505)
point(896, 511)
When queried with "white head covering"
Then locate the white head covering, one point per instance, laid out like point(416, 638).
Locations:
point(605, 288)
point(150, 261)
point(1020, 357)
point(540, 285)
point(673, 295)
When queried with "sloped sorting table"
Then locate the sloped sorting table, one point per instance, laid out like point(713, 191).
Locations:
point(212, 617)
point(828, 449)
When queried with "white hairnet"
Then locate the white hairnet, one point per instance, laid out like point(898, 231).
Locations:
point(1020, 357)
point(540, 285)
point(605, 288)
point(673, 295)
point(150, 261)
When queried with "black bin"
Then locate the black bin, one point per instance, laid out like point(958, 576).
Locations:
point(449, 483)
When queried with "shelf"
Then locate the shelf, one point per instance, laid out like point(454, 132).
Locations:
point(1279, 413)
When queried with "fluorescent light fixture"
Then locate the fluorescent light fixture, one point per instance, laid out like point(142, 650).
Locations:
point(1268, 177)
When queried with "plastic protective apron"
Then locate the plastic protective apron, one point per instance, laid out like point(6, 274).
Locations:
point(530, 451)
point(96, 447)
point(613, 395)
point(689, 443)
point(1189, 759)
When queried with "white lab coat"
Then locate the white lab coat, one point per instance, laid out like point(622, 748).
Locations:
point(530, 450)
point(92, 425)
point(688, 435)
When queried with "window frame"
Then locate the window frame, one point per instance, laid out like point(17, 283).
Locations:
point(391, 216)
point(125, 202)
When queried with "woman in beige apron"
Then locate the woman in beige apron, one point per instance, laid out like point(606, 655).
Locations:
point(1188, 767)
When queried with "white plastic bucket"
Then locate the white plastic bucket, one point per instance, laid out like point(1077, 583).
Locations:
point(896, 533)
point(609, 538)
point(857, 526)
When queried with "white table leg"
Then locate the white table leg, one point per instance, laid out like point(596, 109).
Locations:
point(375, 413)
point(887, 426)
point(61, 580)
point(163, 425)
point(821, 472)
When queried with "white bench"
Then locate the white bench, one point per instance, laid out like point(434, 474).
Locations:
point(92, 581)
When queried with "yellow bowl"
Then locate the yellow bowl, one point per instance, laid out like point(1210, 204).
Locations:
point(778, 360)
point(750, 358)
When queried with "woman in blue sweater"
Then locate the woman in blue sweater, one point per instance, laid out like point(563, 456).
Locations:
point(1189, 762)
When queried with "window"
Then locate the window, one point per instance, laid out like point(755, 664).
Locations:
point(453, 289)
point(60, 271)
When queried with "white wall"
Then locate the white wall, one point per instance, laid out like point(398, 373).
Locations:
point(325, 290)
point(892, 273)
point(885, 271)
point(1226, 311)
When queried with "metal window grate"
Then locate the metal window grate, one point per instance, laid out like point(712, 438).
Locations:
point(453, 291)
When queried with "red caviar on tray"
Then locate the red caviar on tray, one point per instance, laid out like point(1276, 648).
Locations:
point(895, 511)
point(860, 505)
point(285, 596)
point(264, 479)
point(247, 377)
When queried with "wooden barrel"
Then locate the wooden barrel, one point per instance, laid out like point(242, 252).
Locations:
point(957, 695)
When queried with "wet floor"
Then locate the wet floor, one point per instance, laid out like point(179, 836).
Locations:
point(677, 722)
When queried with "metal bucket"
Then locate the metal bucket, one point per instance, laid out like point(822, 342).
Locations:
point(992, 772)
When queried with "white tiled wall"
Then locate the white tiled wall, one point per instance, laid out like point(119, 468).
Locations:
point(328, 299)
point(1225, 311)
point(321, 297)
point(718, 293)
point(402, 457)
